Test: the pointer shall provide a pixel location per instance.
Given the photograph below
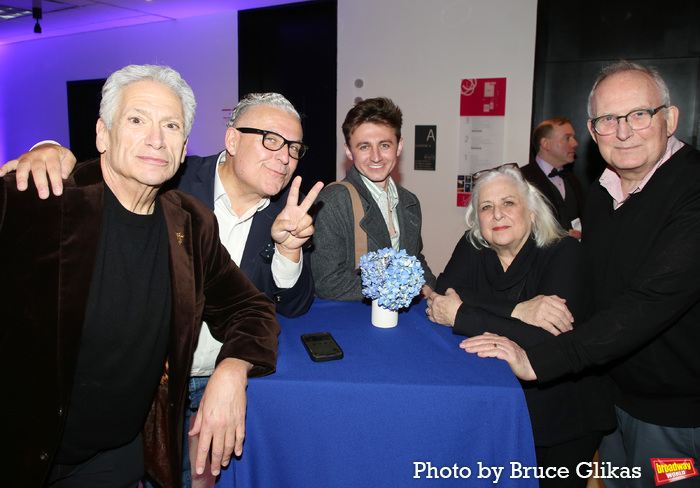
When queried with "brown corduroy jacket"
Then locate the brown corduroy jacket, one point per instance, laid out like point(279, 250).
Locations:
point(48, 249)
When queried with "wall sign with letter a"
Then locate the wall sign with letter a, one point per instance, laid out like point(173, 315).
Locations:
point(426, 144)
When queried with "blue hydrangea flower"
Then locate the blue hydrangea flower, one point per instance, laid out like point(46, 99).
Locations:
point(393, 278)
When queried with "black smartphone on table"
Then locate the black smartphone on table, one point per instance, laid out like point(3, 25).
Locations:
point(321, 346)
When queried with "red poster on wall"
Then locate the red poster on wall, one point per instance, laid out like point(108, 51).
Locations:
point(483, 97)
point(482, 109)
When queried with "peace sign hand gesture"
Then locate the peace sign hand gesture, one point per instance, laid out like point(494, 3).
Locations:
point(293, 226)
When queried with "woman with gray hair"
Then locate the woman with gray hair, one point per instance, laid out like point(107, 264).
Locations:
point(517, 273)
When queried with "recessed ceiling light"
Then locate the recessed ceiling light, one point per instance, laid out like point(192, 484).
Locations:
point(7, 13)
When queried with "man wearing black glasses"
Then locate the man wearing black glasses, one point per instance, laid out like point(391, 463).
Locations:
point(640, 244)
point(261, 222)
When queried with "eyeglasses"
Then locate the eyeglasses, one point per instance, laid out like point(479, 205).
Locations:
point(274, 142)
point(484, 172)
point(637, 119)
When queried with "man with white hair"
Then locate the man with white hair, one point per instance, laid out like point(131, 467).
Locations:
point(260, 221)
point(105, 283)
point(642, 233)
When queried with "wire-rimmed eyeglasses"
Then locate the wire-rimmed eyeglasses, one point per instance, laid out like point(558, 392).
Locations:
point(638, 119)
point(274, 142)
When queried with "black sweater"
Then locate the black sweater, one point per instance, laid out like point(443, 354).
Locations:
point(125, 335)
point(559, 411)
point(644, 267)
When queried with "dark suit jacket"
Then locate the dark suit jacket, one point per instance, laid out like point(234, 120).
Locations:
point(44, 284)
point(534, 174)
point(196, 178)
point(333, 264)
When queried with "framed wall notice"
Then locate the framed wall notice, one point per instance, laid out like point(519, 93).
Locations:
point(426, 145)
point(482, 109)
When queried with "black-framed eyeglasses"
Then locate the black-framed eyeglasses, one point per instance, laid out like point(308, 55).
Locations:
point(639, 119)
point(274, 142)
point(484, 172)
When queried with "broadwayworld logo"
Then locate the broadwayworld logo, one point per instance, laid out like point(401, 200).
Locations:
point(669, 470)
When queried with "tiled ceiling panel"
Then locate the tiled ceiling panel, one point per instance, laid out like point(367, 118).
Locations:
point(64, 17)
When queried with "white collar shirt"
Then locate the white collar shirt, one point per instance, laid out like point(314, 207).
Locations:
point(233, 232)
point(557, 181)
point(384, 200)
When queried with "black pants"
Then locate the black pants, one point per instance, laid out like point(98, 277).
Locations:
point(568, 455)
point(116, 468)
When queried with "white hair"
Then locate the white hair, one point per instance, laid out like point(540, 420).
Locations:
point(622, 66)
point(111, 91)
point(270, 99)
point(545, 228)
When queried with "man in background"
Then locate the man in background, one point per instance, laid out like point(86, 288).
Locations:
point(554, 142)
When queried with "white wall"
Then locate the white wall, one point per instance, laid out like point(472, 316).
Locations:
point(416, 52)
point(33, 75)
point(33, 96)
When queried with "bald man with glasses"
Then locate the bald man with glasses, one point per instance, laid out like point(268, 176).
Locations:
point(640, 246)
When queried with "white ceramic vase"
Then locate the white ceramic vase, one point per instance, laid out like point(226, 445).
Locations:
point(383, 317)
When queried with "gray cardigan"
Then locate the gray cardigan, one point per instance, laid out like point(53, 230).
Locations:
point(333, 256)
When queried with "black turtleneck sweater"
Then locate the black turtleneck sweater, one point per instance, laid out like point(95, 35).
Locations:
point(559, 411)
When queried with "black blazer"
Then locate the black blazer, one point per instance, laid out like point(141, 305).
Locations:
point(44, 291)
point(534, 174)
point(196, 177)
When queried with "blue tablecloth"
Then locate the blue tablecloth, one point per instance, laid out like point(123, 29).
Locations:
point(404, 407)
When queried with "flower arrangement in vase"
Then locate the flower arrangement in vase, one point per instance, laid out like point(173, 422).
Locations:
point(391, 279)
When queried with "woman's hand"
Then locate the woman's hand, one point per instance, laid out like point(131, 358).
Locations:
point(494, 346)
point(442, 309)
point(548, 312)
